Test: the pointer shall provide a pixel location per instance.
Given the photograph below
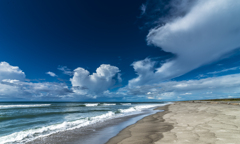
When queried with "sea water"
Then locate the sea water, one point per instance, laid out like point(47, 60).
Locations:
point(24, 122)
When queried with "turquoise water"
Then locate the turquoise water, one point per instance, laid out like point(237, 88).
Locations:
point(23, 122)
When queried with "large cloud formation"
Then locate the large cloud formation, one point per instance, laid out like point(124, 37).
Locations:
point(210, 30)
point(83, 83)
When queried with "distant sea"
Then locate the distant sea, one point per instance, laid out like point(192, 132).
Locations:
point(24, 122)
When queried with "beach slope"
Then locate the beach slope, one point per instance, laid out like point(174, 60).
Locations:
point(183, 122)
point(145, 131)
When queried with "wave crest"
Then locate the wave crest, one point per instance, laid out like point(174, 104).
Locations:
point(23, 106)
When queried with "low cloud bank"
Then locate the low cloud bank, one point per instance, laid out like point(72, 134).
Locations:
point(86, 85)
point(207, 88)
point(14, 86)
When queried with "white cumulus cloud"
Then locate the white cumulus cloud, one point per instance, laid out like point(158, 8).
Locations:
point(10, 72)
point(84, 83)
point(145, 71)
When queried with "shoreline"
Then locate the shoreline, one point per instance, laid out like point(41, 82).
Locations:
point(145, 131)
point(183, 123)
point(97, 133)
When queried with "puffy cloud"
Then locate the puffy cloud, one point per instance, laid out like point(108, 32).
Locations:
point(207, 32)
point(10, 72)
point(119, 77)
point(145, 71)
point(84, 83)
point(51, 74)
point(207, 88)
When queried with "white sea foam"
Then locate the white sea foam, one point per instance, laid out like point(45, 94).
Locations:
point(91, 104)
point(22, 106)
point(125, 103)
point(108, 104)
point(140, 108)
point(31, 134)
point(131, 109)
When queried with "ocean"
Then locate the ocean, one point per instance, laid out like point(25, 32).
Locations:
point(24, 122)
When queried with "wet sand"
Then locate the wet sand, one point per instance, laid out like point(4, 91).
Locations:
point(183, 123)
point(146, 131)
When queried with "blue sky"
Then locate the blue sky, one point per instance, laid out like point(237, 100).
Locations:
point(147, 50)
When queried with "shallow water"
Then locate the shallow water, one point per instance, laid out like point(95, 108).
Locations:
point(103, 135)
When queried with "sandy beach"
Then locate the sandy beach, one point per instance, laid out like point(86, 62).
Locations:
point(182, 122)
point(146, 130)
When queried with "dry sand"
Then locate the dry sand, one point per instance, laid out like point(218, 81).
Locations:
point(185, 123)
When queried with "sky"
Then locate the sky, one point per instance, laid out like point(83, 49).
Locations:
point(137, 51)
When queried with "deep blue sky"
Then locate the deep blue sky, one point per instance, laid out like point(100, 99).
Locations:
point(43, 35)
point(38, 36)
